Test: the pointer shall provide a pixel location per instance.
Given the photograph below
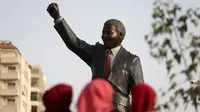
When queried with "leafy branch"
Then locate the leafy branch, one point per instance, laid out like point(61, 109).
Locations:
point(173, 42)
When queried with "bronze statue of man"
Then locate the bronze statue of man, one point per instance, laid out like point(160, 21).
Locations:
point(110, 60)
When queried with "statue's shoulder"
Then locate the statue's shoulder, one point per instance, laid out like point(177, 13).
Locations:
point(99, 45)
point(131, 55)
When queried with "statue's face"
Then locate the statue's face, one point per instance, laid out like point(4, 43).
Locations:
point(110, 36)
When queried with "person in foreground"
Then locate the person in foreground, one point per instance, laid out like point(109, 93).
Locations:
point(58, 98)
point(110, 61)
point(143, 98)
point(97, 96)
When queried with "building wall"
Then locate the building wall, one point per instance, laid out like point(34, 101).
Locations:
point(14, 80)
point(25, 86)
point(38, 87)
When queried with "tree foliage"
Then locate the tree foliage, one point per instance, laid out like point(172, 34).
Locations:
point(173, 40)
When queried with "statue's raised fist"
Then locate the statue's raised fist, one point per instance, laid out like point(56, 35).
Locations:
point(53, 10)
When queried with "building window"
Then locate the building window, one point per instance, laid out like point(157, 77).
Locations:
point(40, 96)
point(34, 82)
point(11, 85)
point(34, 108)
point(11, 68)
point(34, 96)
point(11, 100)
point(35, 71)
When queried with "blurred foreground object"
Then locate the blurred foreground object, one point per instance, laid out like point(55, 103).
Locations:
point(58, 98)
point(97, 96)
point(143, 98)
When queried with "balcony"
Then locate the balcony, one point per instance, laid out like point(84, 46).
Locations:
point(9, 92)
point(35, 89)
point(11, 75)
point(9, 108)
point(9, 60)
point(35, 103)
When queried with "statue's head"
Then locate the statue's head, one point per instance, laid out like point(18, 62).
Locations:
point(113, 33)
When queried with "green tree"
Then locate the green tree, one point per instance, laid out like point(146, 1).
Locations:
point(173, 41)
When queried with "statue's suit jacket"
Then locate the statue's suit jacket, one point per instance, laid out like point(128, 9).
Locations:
point(126, 70)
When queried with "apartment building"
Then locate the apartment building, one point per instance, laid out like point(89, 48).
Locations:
point(38, 87)
point(15, 76)
point(21, 84)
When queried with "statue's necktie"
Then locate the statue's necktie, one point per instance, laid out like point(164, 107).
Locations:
point(108, 64)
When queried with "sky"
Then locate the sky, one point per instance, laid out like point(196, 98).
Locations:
point(28, 25)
